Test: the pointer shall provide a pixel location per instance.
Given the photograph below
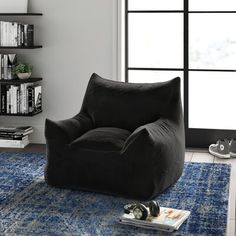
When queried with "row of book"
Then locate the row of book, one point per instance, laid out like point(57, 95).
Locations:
point(15, 137)
point(13, 34)
point(7, 65)
point(21, 99)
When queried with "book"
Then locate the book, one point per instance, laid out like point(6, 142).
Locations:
point(16, 131)
point(6, 143)
point(25, 98)
point(29, 35)
point(1, 65)
point(12, 136)
point(3, 99)
point(14, 34)
point(30, 91)
point(7, 65)
point(12, 61)
point(37, 98)
point(168, 220)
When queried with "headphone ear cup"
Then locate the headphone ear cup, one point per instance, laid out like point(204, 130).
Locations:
point(128, 208)
point(154, 208)
point(140, 212)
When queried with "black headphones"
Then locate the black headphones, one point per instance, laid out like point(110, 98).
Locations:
point(142, 210)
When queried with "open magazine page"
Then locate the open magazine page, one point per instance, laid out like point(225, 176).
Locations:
point(168, 220)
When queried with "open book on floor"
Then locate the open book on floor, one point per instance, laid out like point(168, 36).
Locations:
point(168, 220)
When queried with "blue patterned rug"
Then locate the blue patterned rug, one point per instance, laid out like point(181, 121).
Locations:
point(29, 207)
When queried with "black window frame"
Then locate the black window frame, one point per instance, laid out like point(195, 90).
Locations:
point(195, 137)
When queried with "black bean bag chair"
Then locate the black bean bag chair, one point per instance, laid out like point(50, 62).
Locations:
point(127, 140)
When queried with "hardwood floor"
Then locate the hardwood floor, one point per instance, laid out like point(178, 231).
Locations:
point(204, 156)
point(191, 155)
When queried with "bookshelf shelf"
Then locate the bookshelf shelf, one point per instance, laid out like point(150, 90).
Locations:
point(20, 81)
point(21, 47)
point(21, 14)
point(25, 115)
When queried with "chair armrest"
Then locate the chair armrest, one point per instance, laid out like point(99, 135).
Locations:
point(157, 136)
point(69, 129)
point(155, 156)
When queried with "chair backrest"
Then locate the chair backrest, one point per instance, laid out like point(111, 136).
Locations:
point(124, 105)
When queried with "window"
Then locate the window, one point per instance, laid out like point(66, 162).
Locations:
point(195, 40)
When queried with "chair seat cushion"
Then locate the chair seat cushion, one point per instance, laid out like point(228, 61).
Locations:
point(102, 139)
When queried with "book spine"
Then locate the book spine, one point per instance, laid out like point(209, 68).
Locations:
point(1, 33)
point(21, 98)
point(13, 143)
point(22, 34)
point(3, 99)
point(24, 99)
point(30, 36)
point(15, 35)
point(1, 55)
point(10, 34)
point(0, 98)
point(30, 100)
point(5, 66)
point(12, 61)
point(38, 97)
point(4, 33)
point(8, 102)
point(17, 100)
point(12, 99)
point(13, 140)
point(2, 63)
point(25, 34)
point(12, 137)
point(11, 109)
point(18, 35)
point(9, 68)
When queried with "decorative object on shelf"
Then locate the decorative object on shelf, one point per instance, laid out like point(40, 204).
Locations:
point(23, 70)
point(24, 75)
point(13, 6)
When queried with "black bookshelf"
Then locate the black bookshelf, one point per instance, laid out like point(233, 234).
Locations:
point(21, 47)
point(25, 115)
point(21, 14)
point(20, 81)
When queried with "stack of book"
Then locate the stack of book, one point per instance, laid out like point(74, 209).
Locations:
point(7, 65)
point(14, 34)
point(168, 220)
point(15, 137)
point(21, 99)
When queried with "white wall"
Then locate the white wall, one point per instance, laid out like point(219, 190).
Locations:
point(78, 38)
